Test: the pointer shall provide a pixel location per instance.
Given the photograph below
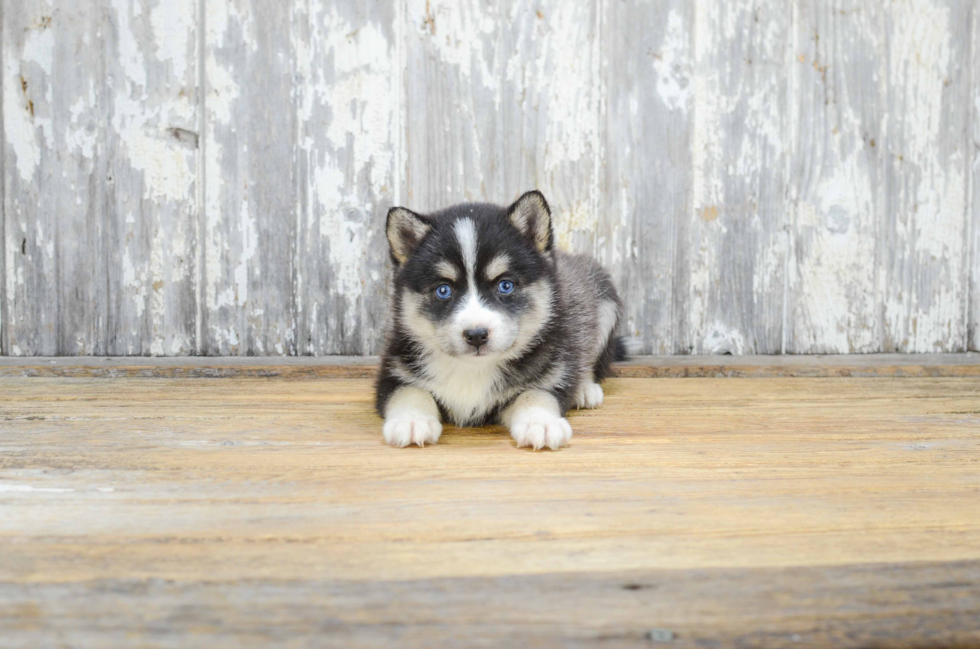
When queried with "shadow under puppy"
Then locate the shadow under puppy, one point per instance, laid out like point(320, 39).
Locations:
point(490, 323)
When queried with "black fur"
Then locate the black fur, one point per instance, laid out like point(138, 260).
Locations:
point(553, 347)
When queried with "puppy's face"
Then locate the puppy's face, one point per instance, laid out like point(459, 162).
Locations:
point(475, 281)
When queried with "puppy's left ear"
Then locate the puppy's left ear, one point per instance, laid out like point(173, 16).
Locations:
point(531, 216)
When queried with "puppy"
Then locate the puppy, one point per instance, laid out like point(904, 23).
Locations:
point(491, 323)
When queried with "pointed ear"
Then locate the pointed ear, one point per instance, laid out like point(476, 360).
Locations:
point(531, 216)
point(405, 230)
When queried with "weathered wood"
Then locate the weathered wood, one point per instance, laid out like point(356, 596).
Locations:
point(923, 243)
point(549, 97)
point(648, 66)
point(348, 103)
point(151, 210)
point(242, 511)
point(759, 177)
point(836, 177)
point(845, 365)
point(3, 204)
point(502, 98)
point(251, 179)
point(881, 605)
point(451, 92)
point(99, 231)
point(55, 109)
point(732, 249)
point(973, 312)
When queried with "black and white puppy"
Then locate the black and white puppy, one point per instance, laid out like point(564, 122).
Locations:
point(491, 323)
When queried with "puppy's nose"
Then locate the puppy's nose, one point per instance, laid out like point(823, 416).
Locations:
point(476, 337)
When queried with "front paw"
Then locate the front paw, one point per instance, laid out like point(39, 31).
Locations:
point(588, 395)
point(403, 430)
point(541, 430)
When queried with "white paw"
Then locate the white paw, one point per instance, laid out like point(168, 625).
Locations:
point(540, 429)
point(407, 428)
point(588, 395)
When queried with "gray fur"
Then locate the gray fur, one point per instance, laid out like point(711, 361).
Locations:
point(552, 336)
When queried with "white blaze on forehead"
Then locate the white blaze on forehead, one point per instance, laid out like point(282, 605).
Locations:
point(475, 314)
point(497, 266)
point(466, 235)
point(447, 270)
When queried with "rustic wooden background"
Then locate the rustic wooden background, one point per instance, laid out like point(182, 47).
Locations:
point(211, 176)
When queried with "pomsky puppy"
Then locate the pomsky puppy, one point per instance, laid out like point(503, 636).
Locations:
point(490, 323)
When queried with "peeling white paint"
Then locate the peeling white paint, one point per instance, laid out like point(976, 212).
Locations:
point(173, 23)
point(672, 64)
point(18, 128)
point(356, 96)
point(39, 49)
point(580, 219)
point(565, 71)
point(129, 54)
point(926, 316)
point(721, 339)
point(250, 243)
point(738, 148)
point(135, 283)
point(524, 96)
point(454, 30)
point(167, 167)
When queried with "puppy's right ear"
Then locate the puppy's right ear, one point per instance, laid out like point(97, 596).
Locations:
point(405, 230)
point(532, 218)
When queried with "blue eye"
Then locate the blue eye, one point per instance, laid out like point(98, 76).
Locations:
point(505, 286)
point(443, 292)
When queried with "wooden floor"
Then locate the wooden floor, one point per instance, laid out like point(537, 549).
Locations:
point(686, 512)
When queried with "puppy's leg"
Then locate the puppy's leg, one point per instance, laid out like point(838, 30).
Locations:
point(411, 417)
point(535, 420)
point(589, 393)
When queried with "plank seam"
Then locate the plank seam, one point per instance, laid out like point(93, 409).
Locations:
point(895, 366)
point(792, 197)
point(881, 196)
point(4, 344)
point(972, 335)
point(600, 98)
point(399, 36)
point(200, 274)
point(101, 185)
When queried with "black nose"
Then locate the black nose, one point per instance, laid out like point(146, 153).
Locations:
point(476, 337)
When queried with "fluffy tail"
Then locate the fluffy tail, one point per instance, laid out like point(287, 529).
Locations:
point(619, 348)
point(622, 351)
point(626, 348)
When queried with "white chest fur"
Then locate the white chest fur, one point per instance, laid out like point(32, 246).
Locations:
point(468, 389)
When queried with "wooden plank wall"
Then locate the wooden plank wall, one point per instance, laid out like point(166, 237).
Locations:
point(211, 176)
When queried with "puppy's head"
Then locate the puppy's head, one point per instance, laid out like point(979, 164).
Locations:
point(474, 281)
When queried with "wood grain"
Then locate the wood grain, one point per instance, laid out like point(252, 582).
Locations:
point(923, 243)
point(646, 173)
point(522, 85)
point(251, 137)
point(843, 511)
point(733, 247)
point(211, 177)
point(451, 141)
point(881, 605)
point(3, 202)
point(837, 175)
point(973, 314)
point(845, 365)
point(151, 209)
point(348, 101)
point(55, 110)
